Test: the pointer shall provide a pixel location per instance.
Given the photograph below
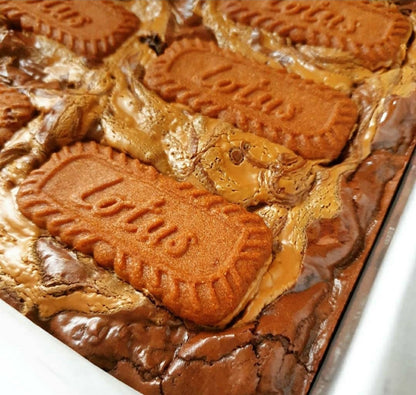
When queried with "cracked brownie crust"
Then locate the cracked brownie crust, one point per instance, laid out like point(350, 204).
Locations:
point(124, 118)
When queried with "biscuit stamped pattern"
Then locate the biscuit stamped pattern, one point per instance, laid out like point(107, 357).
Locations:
point(370, 31)
point(93, 29)
point(272, 104)
point(189, 248)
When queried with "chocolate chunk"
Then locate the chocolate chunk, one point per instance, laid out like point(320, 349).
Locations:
point(59, 265)
point(332, 242)
point(397, 125)
point(369, 181)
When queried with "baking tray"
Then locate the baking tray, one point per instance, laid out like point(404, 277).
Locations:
point(33, 362)
point(373, 350)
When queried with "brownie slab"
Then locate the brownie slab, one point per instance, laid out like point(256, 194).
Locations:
point(107, 273)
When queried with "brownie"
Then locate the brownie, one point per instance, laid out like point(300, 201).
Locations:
point(191, 189)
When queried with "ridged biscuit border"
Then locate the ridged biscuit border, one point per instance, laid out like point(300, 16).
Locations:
point(206, 304)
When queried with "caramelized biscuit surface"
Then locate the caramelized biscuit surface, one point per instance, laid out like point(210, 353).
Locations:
point(372, 32)
point(192, 250)
point(311, 119)
point(90, 28)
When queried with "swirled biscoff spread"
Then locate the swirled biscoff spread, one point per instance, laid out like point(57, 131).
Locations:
point(190, 189)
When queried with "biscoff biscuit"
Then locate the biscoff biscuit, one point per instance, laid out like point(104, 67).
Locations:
point(311, 119)
point(198, 254)
point(93, 29)
point(372, 32)
point(15, 110)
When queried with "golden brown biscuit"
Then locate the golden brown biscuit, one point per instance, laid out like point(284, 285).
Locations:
point(371, 31)
point(309, 118)
point(93, 29)
point(197, 253)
